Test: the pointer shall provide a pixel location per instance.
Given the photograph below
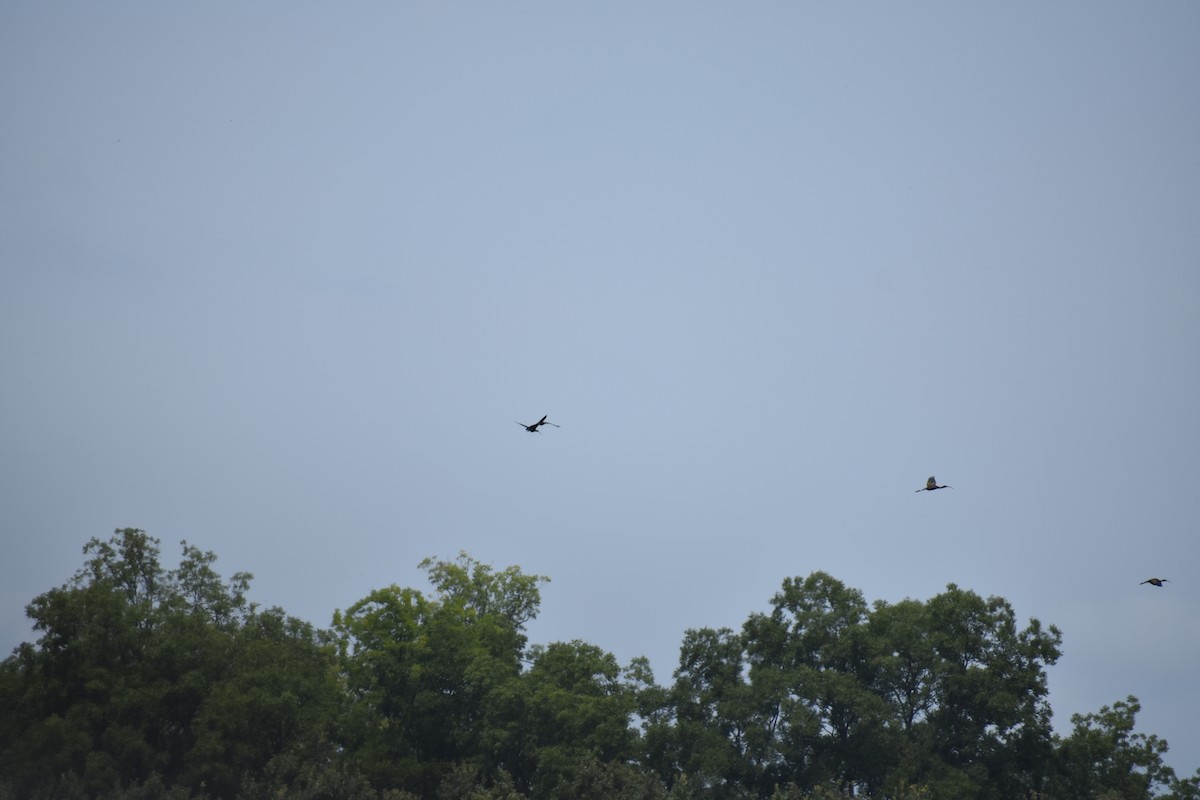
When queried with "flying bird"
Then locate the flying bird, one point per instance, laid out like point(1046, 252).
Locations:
point(932, 484)
point(1155, 582)
point(534, 427)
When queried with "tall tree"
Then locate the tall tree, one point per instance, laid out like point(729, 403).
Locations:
point(990, 722)
point(580, 711)
point(435, 681)
point(1104, 757)
point(277, 694)
point(813, 650)
point(148, 677)
point(824, 693)
point(709, 734)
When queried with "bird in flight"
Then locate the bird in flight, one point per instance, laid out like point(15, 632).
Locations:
point(534, 427)
point(932, 484)
point(1155, 582)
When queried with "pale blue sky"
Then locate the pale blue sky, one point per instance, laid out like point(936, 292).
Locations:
point(278, 280)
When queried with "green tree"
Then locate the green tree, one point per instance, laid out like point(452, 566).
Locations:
point(144, 677)
point(988, 732)
point(813, 653)
point(277, 694)
point(705, 740)
point(509, 594)
point(1105, 758)
point(197, 588)
point(72, 708)
point(580, 714)
point(435, 682)
point(824, 694)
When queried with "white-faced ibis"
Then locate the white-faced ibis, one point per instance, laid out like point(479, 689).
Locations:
point(932, 484)
point(1155, 582)
point(534, 427)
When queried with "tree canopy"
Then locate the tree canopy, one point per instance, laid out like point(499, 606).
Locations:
point(150, 682)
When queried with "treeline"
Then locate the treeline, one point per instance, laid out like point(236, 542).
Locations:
point(155, 683)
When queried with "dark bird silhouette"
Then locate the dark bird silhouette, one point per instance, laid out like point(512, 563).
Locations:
point(534, 427)
point(932, 484)
point(1155, 582)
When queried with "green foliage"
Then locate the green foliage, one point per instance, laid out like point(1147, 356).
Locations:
point(579, 712)
point(509, 594)
point(144, 678)
point(1104, 757)
point(148, 682)
point(437, 682)
point(825, 693)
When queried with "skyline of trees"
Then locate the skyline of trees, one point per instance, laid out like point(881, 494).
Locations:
point(149, 682)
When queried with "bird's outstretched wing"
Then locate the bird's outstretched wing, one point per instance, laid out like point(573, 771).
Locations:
point(931, 483)
point(551, 423)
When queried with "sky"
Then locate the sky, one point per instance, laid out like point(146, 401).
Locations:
point(278, 278)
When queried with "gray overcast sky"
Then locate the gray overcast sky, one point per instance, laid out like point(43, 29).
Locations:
point(277, 278)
